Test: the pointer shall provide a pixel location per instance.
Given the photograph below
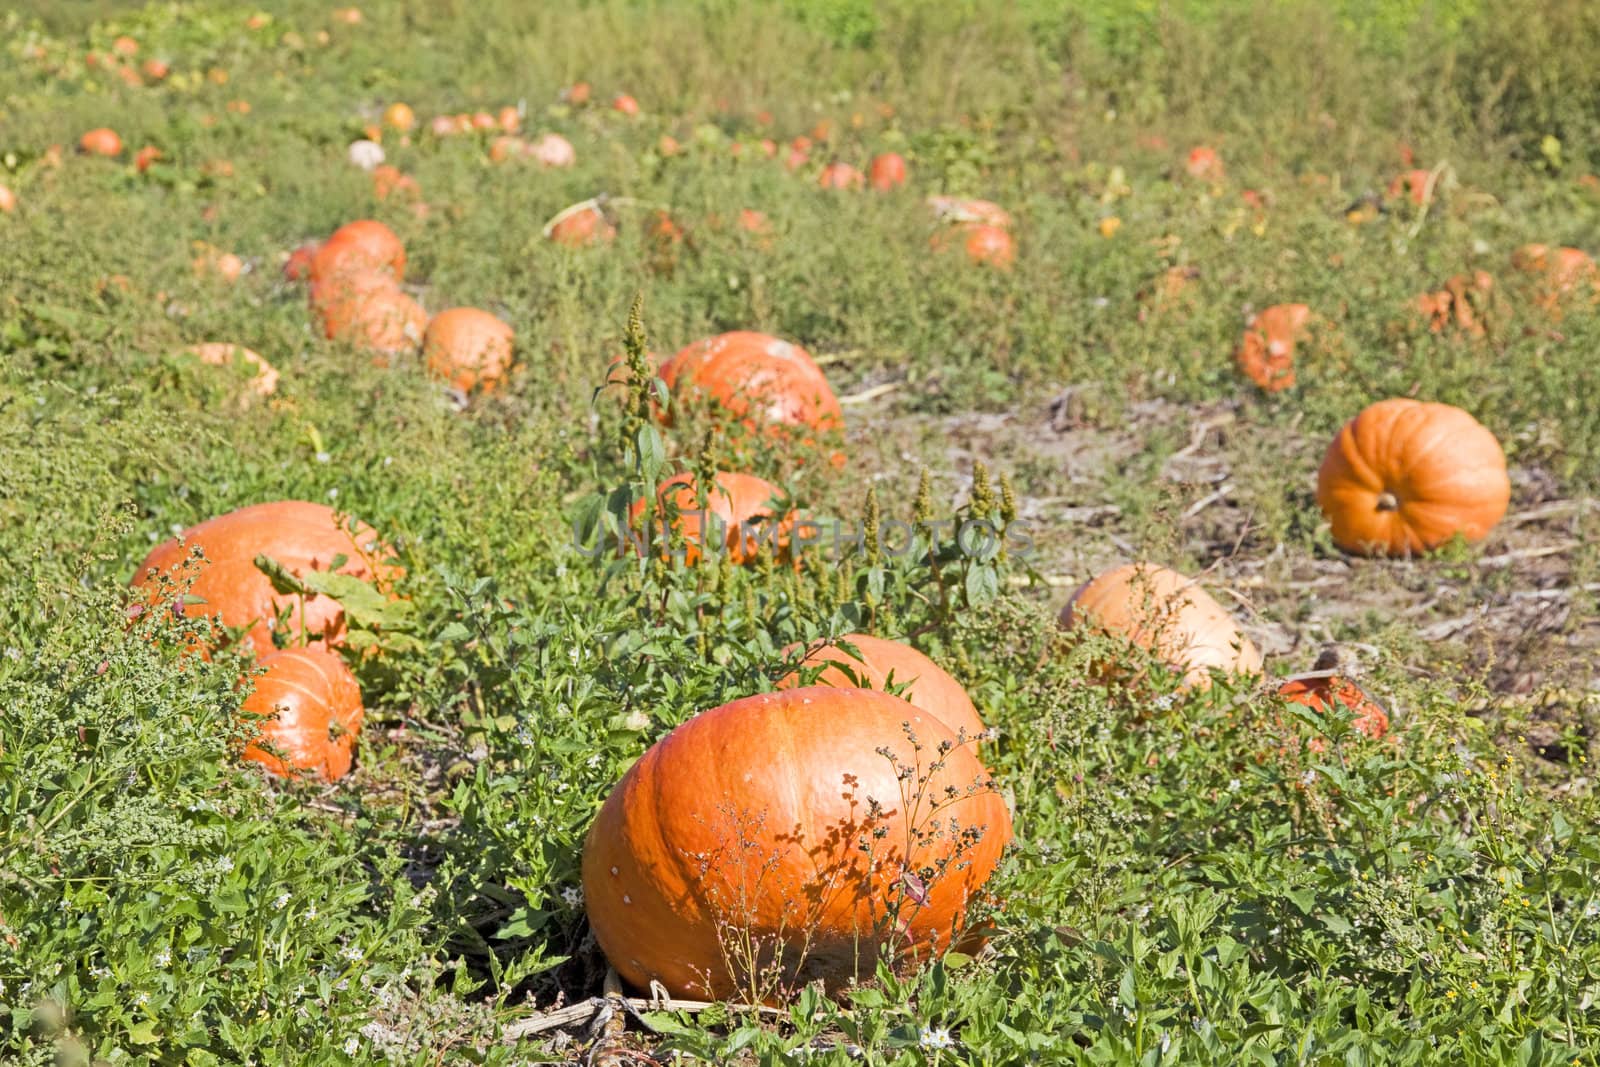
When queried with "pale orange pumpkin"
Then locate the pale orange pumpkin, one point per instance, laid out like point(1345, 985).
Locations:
point(221, 354)
point(101, 141)
point(1404, 477)
point(927, 685)
point(777, 824)
point(1168, 615)
point(840, 176)
point(302, 536)
point(1266, 352)
point(8, 200)
point(311, 714)
point(469, 348)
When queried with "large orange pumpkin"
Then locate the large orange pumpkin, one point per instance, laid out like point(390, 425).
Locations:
point(1167, 614)
point(1266, 352)
point(361, 245)
point(928, 686)
point(1321, 694)
point(304, 537)
point(772, 835)
point(312, 714)
point(757, 377)
point(468, 348)
point(366, 309)
point(738, 499)
point(1404, 477)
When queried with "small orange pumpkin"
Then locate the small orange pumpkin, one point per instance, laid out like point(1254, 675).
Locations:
point(928, 686)
point(984, 244)
point(739, 508)
point(1404, 477)
point(1167, 614)
point(399, 116)
point(102, 141)
point(469, 348)
point(779, 822)
point(311, 714)
point(1266, 352)
point(1321, 694)
point(625, 104)
point(222, 354)
point(581, 225)
point(888, 171)
point(1415, 185)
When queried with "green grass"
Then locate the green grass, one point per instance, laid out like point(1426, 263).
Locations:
point(1181, 890)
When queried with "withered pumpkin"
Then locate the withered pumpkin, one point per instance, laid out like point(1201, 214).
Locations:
point(311, 714)
point(775, 824)
point(1404, 477)
point(1266, 352)
point(1167, 614)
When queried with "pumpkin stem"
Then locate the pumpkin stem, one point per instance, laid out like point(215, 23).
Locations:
point(1387, 501)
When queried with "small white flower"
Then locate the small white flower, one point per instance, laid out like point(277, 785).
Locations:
point(572, 895)
point(333, 494)
point(353, 1045)
point(593, 761)
point(936, 1038)
point(323, 457)
point(94, 972)
point(281, 901)
point(1308, 777)
point(1166, 1042)
point(142, 999)
point(1233, 785)
point(1165, 701)
point(1593, 910)
point(312, 913)
point(225, 864)
point(344, 983)
point(366, 154)
point(163, 958)
point(351, 953)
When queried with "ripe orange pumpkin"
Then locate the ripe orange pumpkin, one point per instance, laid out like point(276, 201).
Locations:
point(510, 119)
point(222, 354)
point(840, 176)
point(312, 714)
point(757, 378)
point(1404, 477)
point(399, 116)
point(102, 141)
point(1321, 694)
point(928, 686)
point(775, 822)
point(1170, 616)
point(302, 536)
point(581, 225)
point(1412, 185)
point(625, 104)
point(888, 171)
point(468, 348)
point(1266, 352)
point(367, 310)
point(1204, 163)
point(577, 93)
point(984, 244)
point(736, 500)
point(361, 245)
point(297, 268)
point(8, 200)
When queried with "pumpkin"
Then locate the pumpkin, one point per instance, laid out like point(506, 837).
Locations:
point(1322, 694)
point(213, 263)
point(468, 348)
point(956, 209)
point(1266, 352)
point(1204, 163)
point(100, 142)
point(888, 171)
point(1462, 303)
point(740, 507)
point(388, 179)
point(769, 842)
point(580, 225)
point(840, 176)
point(361, 245)
point(757, 378)
point(8, 200)
point(510, 119)
point(398, 116)
point(1168, 615)
point(1417, 185)
point(1404, 476)
point(577, 93)
point(927, 684)
point(297, 268)
point(626, 104)
point(304, 537)
point(367, 310)
point(1568, 273)
point(553, 150)
point(156, 69)
point(984, 244)
point(146, 156)
point(311, 714)
point(221, 354)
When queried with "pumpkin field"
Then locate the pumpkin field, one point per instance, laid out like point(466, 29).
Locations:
point(800, 532)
